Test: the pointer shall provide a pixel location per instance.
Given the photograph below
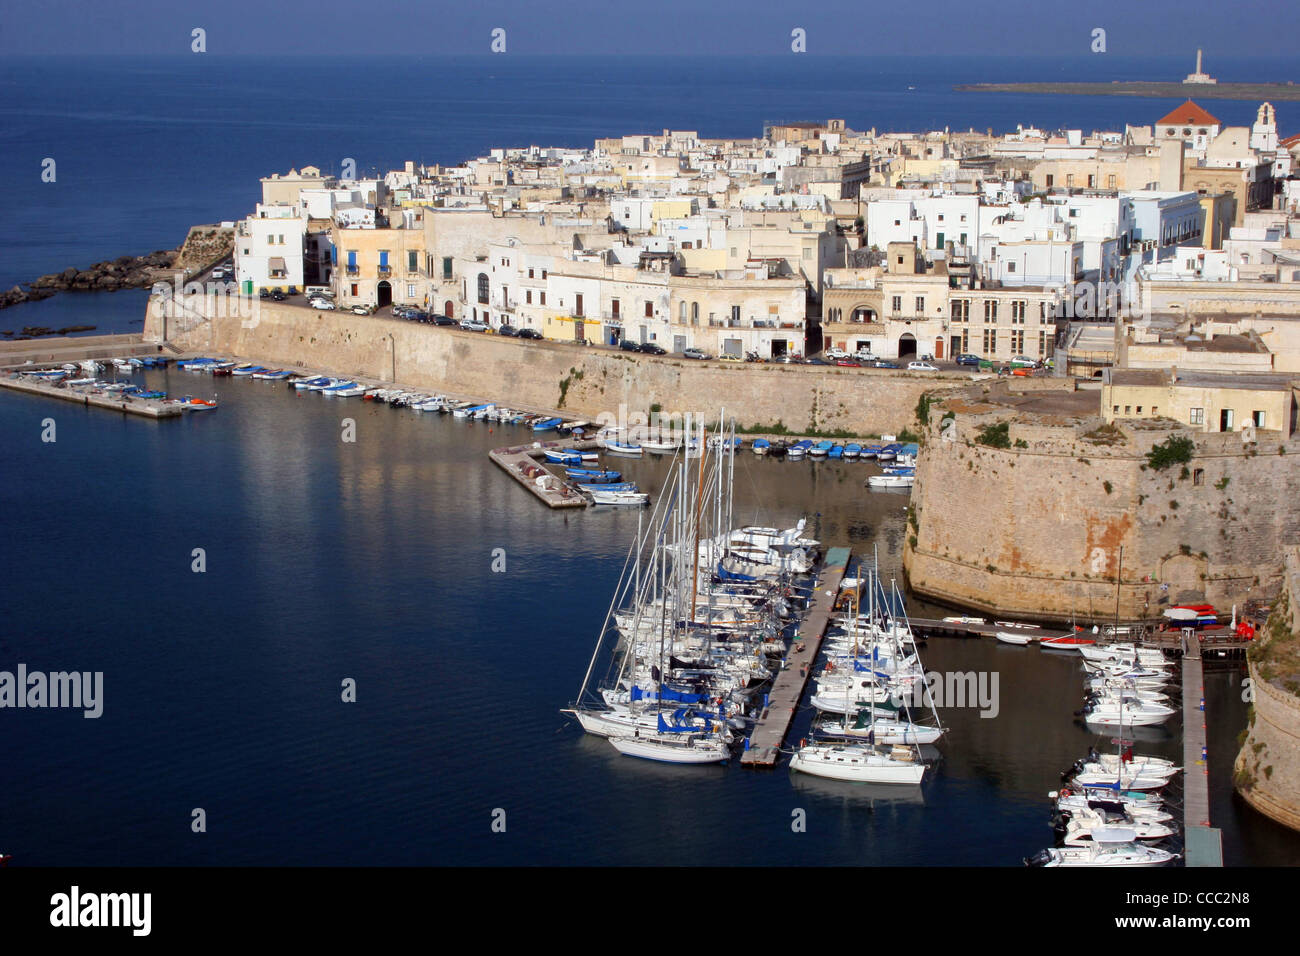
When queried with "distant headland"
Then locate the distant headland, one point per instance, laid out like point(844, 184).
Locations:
point(1198, 82)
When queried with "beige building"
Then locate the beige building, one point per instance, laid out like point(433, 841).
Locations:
point(920, 308)
point(1206, 401)
point(378, 267)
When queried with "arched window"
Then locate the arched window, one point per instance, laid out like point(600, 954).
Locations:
point(695, 313)
point(483, 288)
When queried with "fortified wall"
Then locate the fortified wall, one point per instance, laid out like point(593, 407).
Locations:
point(1267, 770)
point(545, 375)
point(1036, 528)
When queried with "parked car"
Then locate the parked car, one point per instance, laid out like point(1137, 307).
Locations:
point(786, 359)
point(360, 310)
point(966, 358)
point(848, 363)
point(325, 304)
point(443, 320)
point(1023, 361)
point(695, 354)
point(884, 363)
point(627, 345)
point(921, 367)
point(529, 334)
point(835, 353)
point(279, 296)
point(473, 325)
point(864, 356)
point(815, 361)
point(649, 348)
point(508, 330)
point(727, 357)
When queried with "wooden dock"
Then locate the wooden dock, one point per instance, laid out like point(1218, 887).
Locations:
point(145, 407)
point(524, 463)
point(763, 747)
point(1202, 844)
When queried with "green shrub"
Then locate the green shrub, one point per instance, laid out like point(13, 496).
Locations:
point(1176, 450)
point(995, 436)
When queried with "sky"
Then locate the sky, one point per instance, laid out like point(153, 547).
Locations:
point(695, 27)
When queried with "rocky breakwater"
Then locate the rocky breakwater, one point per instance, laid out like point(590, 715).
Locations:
point(1267, 770)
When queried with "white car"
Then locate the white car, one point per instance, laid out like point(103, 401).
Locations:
point(1024, 361)
point(323, 304)
point(835, 353)
point(470, 325)
point(921, 367)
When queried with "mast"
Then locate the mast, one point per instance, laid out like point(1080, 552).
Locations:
point(699, 501)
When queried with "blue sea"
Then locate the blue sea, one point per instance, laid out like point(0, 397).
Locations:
point(371, 561)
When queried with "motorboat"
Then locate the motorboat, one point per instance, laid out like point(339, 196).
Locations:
point(619, 497)
point(1116, 846)
point(666, 748)
point(625, 449)
point(1069, 643)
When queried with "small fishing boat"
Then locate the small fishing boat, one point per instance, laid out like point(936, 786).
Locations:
point(197, 404)
point(1016, 638)
point(612, 486)
point(760, 446)
point(248, 370)
point(852, 451)
point(593, 476)
point(1069, 643)
point(619, 497)
point(661, 447)
point(547, 424)
point(274, 375)
point(319, 381)
point(799, 450)
point(625, 449)
point(837, 451)
point(338, 388)
point(820, 450)
point(899, 479)
point(562, 456)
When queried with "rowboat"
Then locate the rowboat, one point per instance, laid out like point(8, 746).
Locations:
point(619, 497)
point(625, 449)
point(593, 475)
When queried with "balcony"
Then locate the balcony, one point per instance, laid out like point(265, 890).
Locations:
point(385, 271)
point(353, 270)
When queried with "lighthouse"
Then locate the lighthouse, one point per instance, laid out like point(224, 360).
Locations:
point(1198, 76)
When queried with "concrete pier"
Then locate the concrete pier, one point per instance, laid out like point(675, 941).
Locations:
point(145, 407)
point(524, 464)
point(1202, 842)
point(764, 745)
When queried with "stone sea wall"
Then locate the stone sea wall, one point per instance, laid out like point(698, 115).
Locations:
point(1036, 529)
point(546, 375)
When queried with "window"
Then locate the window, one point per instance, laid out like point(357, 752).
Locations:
point(1018, 311)
point(1128, 409)
point(528, 296)
point(920, 304)
point(1258, 418)
point(1042, 344)
point(807, 255)
point(1018, 341)
point(1069, 179)
point(941, 217)
point(543, 273)
point(898, 222)
point(990, 310)
point(681, 312)
point(1011, 266)
point(649, 309)
point(695, 313)
point(410, 290)
point(1115, 409)
point(960, 309)
point(1155, 411)
point(1197, 417)
point(530, 273)
point(990, 341)
point(1139, 411)
point(1198, 476)
point(1092, 182)
point(897, 304)
point(615, 306)
point(735, 314)
point(483, 288)
point(1051, 180)
point(412, 261)
point(542, 296)
point(1110, 181)
point(577, 305)
point(446, 267)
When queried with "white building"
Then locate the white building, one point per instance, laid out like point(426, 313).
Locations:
point(269, 249)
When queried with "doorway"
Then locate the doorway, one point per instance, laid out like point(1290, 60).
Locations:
point(906, 346)
point(385, 293)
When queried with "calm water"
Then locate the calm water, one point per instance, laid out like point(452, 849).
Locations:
point(371, 560)
point(328, 560)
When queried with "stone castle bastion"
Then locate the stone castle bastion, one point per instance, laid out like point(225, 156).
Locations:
point(1035, 527)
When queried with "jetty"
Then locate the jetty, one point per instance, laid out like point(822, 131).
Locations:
point(763, 747)
point(523, 463)
point(115, 402)
point(1202, 843)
